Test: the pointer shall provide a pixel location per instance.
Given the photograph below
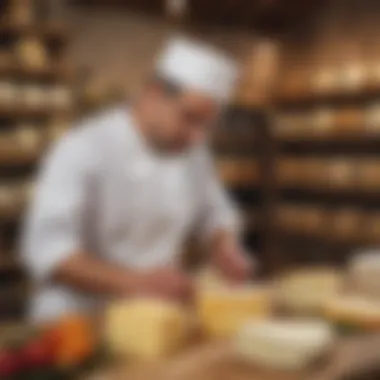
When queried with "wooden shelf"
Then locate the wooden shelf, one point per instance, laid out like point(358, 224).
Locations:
point(337, 97)
point(14, 156)
point(50, 32)
point(53, 71)
point(287, 232)
point(20, 112)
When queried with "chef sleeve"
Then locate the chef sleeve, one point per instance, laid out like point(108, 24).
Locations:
point(53, 228)
point(217, 211)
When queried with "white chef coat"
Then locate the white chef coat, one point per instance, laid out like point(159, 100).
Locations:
point(101, 189)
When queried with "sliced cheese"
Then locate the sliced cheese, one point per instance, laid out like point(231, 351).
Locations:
point(307, 290)
point(145, 329)
point(221, 309)
point(283, 344)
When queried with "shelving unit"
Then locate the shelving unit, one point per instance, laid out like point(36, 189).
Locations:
point(327, 166)
point(36, 103)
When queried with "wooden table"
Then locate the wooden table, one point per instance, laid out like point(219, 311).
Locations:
point(218, 362)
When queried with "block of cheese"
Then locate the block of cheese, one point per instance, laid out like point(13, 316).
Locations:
point(145, 329)
point(307, 290)
point(354, 310)
point(285, 345)
point(222, 310)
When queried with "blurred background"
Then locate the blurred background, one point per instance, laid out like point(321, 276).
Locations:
point(298, 147)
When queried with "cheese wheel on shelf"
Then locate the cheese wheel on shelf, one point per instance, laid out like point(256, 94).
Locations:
point(306, 290)
point(283, 344)
point(341, 174)
point(371, 228)
point(222, 308)
point(352, 77)
point(292, 126)
point(368, 174)
point(354, 310)
point(145, 329)
point(30, 52)
point(8, 93)
point(349, 121)
point(27, 138)
point(296, 83)
point(34, 96)
point(346, 225)
point(322, 122)
point(21, 12)
point(305, 172)
point(325, 81)
point(372, 119)
point(301, 218)
point(60, 97)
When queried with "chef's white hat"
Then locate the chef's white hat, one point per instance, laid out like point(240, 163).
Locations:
point(199, 67)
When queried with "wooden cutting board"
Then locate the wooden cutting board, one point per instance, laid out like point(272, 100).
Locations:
point(217, 361)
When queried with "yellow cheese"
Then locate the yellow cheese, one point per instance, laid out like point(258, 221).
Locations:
point(222, 310)
point(145, 329)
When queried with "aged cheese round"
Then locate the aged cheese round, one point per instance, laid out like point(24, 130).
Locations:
point(8, 93)
point(60, 97)
point(27, 137)
point(349, 121)
point(326, 80)
point(31, 53)
point(322, 122)
point(341, 174)
point(34, 96)
point(283, 344)
point(21, 12)
point(346, 224)
point(372, 119)
point(300, 218)
point(352, 77)
point(371, 230)
point(368, 174)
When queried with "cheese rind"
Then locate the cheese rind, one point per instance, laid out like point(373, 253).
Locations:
point(145, 329)
point(308, 290)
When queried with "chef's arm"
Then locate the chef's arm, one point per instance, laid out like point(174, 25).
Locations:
point(218, 219)
point(220, 226)
point(53, 243)
point(85, 272)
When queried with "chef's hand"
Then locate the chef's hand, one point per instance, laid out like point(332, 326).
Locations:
point(230, 258)
point(168, 283)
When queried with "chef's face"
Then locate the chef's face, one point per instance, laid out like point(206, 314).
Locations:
point(180, 119)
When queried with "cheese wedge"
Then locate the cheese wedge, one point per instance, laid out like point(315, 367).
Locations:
point(145, 329)
point(282, 345)
point(354, 310)
point(364, 273)
point(307, 290)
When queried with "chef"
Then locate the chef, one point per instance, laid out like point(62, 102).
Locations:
point(117, 196)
